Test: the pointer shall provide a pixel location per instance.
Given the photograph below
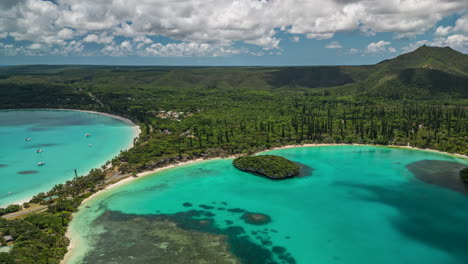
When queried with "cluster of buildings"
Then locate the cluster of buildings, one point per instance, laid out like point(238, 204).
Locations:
point(172, 115)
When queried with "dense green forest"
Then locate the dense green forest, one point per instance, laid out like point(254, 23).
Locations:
point(418, 99)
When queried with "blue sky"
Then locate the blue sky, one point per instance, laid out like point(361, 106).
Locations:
point(225, 32)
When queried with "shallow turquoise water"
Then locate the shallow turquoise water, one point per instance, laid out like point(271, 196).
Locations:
point(360, 205)
point(61, 136)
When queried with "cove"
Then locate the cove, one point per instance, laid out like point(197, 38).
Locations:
point(60, 135)
point(358, 204)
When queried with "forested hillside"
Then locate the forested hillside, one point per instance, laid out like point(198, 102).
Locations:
point(419, 98)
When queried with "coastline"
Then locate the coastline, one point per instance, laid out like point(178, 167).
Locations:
point(126, 120)
point(458, 155)
point(70, 234)
point(136, 133)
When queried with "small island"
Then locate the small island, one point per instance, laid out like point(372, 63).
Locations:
point(270, 166)
point(464, 175)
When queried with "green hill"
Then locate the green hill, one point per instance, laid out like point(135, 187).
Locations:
point(427, 73)
point(443, 59)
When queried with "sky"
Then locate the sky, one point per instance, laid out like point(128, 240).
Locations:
point(225, 32)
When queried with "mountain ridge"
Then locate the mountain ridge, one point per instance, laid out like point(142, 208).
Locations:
point(426, 73)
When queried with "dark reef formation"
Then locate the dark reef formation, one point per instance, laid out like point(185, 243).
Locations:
point(464, 175)
point(304, 170)
point(3, 165)
point(271, 166)
point(256, 218)
point(185, 237)
point(439, 172)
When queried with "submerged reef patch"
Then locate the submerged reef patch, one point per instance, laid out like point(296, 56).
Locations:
point(304, 170)
point(185, 237)
point(256, 218)
point(3, 165)
point(439, 172)
point(156, 239)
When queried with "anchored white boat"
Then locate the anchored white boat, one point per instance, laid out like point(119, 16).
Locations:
point(87, 135)
point(40, 163)
point(39, 151)
point(27, 139)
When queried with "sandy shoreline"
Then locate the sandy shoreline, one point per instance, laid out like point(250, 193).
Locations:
point(70, 236)
point(137, 131)
point(126, 120)
point(388, 146)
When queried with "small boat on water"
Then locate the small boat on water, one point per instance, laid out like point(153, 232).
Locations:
point(87, 135)
point(39, 151)
point(27, 139)
point(40, 163)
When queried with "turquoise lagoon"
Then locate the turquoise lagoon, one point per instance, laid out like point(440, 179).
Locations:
point(61, 137)
point(360, 204)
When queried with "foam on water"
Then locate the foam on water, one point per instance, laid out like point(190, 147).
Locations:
point(360, 205)
point(61, 137)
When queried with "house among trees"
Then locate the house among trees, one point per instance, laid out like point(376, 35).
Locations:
point(8, 238)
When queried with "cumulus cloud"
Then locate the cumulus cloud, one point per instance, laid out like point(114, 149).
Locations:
point(217, 23)
point(457, 41)
point(462, 24)
point(442, 31)
point(102, 39)
point(35, 46)
point(333, 45)
point(190, 49)
point(378, 47)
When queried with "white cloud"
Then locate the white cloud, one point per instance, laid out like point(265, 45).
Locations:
point(71, 48)
point(218, 23)
point(334, 45)
point(65, 33)
point(320, 35)
point(190, 49)
point(457, 41)
point(461, 25)
point(377, 47)
point(142, 39)
point(442, 31)
point(102, 39)
point(35, 46)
